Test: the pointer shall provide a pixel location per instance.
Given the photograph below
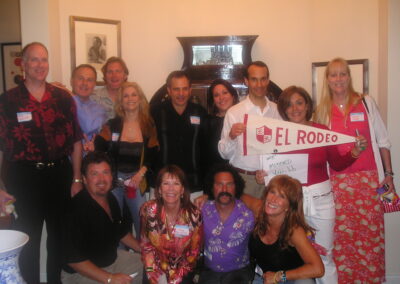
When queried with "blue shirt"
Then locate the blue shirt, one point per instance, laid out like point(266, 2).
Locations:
point(91, 116)
point(226, 244)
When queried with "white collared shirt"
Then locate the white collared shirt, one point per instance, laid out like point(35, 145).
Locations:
point(232, 149)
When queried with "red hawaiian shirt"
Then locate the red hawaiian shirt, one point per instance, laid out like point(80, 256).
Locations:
point(37, 131)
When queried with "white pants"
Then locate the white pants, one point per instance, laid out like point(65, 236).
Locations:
point(319, 211)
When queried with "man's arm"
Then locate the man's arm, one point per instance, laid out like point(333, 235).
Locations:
point(90, 270)
point(131, 242)
point(4, 196)
point(76, 158)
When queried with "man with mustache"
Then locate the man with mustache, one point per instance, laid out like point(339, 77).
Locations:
point(180, 131)
point(228, 224)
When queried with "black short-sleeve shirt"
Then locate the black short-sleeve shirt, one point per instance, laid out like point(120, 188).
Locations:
point(90, 234)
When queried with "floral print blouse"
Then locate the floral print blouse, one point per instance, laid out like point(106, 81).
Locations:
point(169, 250)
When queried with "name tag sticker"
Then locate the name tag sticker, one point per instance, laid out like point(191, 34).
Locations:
point(195, 119)
point(114, 137)
point(24, 116)
point(181, 231)
point(356, 116)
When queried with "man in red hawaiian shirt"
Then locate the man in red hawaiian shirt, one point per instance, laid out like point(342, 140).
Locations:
point(39, 131)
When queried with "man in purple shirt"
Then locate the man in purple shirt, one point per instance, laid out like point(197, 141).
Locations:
point(228, 224)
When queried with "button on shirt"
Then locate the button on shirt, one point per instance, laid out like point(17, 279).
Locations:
point(226, 244)
point(37, 131)
point(233, 149)
point(91, 116)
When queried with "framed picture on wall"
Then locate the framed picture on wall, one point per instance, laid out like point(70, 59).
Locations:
point(11, 64)
point(93, 41)
point(359, 74)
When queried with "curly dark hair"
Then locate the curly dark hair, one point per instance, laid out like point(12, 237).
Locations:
point(95, 157)
point(292, 189)
point(210, 96)
point(223, 168)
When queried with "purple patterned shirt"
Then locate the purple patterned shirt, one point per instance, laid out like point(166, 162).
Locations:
point(226, 244)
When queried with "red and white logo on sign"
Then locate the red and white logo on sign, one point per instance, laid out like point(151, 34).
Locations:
point(264, 134)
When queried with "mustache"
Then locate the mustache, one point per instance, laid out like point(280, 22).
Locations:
point(221, 194)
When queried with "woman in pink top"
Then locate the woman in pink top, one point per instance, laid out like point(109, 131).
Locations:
point(295, 105)
point(359, 233)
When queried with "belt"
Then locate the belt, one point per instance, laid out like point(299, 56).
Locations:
point(44, 164)
point(251, 173)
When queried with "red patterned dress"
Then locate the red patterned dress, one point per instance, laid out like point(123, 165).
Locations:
point(359, 246)
point(164, 250)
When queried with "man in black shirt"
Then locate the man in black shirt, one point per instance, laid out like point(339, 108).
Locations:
point(94, 228)
point(180, 129)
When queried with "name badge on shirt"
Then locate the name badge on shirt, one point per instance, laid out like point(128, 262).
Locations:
point(114, 137)
point(356, 116)
point(181, 231)
point(24, 116)
point(195, 119)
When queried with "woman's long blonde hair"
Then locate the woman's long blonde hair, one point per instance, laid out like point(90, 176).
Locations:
point(323, 112)
point(145, 120)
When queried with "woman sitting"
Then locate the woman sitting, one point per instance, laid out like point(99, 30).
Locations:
point(172, 230)
point(279, 243)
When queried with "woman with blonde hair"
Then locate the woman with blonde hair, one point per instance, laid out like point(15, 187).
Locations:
point(131, 140)
point(359, 228)
point(279, 243)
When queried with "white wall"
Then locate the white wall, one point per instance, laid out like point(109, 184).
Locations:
point(292, 35)
point(392, 221)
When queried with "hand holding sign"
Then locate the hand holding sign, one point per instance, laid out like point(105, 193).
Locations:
point(236, 130)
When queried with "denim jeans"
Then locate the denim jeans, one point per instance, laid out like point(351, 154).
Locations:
point(133, 204)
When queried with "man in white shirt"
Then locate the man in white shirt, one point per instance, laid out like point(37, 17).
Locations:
point(256, 103)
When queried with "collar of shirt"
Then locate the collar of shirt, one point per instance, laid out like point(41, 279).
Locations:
point(251, 107)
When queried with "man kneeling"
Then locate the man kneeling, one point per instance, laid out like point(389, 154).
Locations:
point(94, 227)
point(228, 224)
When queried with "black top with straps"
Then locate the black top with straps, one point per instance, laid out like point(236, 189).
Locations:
point(273, 257)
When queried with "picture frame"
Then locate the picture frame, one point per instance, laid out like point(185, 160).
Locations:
point(359, 69)
point(11, 53)
point(94, 40)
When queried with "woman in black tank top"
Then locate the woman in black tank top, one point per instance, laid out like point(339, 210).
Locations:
point(131, 140)
point(279, 243)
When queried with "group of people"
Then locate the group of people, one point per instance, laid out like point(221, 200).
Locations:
point(328, 229)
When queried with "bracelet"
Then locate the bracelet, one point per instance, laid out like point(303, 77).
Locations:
point(77, 180)
point(275, 280)
point(109, 278)
point(283, 277)
point(389, 173)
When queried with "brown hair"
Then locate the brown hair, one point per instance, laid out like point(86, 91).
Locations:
point(24, 51)
point(112, 60)
point(284, 101)
point(84, 66)
point(174, 171)
point(292, 189)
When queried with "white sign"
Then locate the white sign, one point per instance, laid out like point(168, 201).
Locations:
point(294, 165)
point(266, 136)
